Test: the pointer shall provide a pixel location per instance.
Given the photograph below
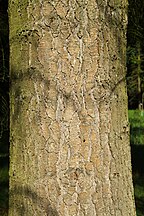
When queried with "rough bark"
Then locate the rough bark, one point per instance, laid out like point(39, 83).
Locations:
point(69, 152)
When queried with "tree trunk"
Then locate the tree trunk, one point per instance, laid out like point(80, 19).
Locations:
point(139, 76)
point(69, 151)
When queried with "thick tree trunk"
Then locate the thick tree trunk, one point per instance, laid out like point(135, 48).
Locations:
point(69, 152)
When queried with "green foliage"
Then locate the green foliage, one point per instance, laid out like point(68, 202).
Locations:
point(131, 55)
point(135, 53)
point(135, 75)
point(135, 24)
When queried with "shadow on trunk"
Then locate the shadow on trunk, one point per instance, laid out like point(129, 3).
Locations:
point(24, 197)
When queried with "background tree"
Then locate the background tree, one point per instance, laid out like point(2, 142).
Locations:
point(69, 152)
point(135, 53)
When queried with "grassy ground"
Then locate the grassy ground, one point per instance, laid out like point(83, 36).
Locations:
point(136, 119)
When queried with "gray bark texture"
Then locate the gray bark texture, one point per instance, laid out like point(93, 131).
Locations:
point(69, 132)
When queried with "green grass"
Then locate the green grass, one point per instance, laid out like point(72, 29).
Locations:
point(136, 119)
